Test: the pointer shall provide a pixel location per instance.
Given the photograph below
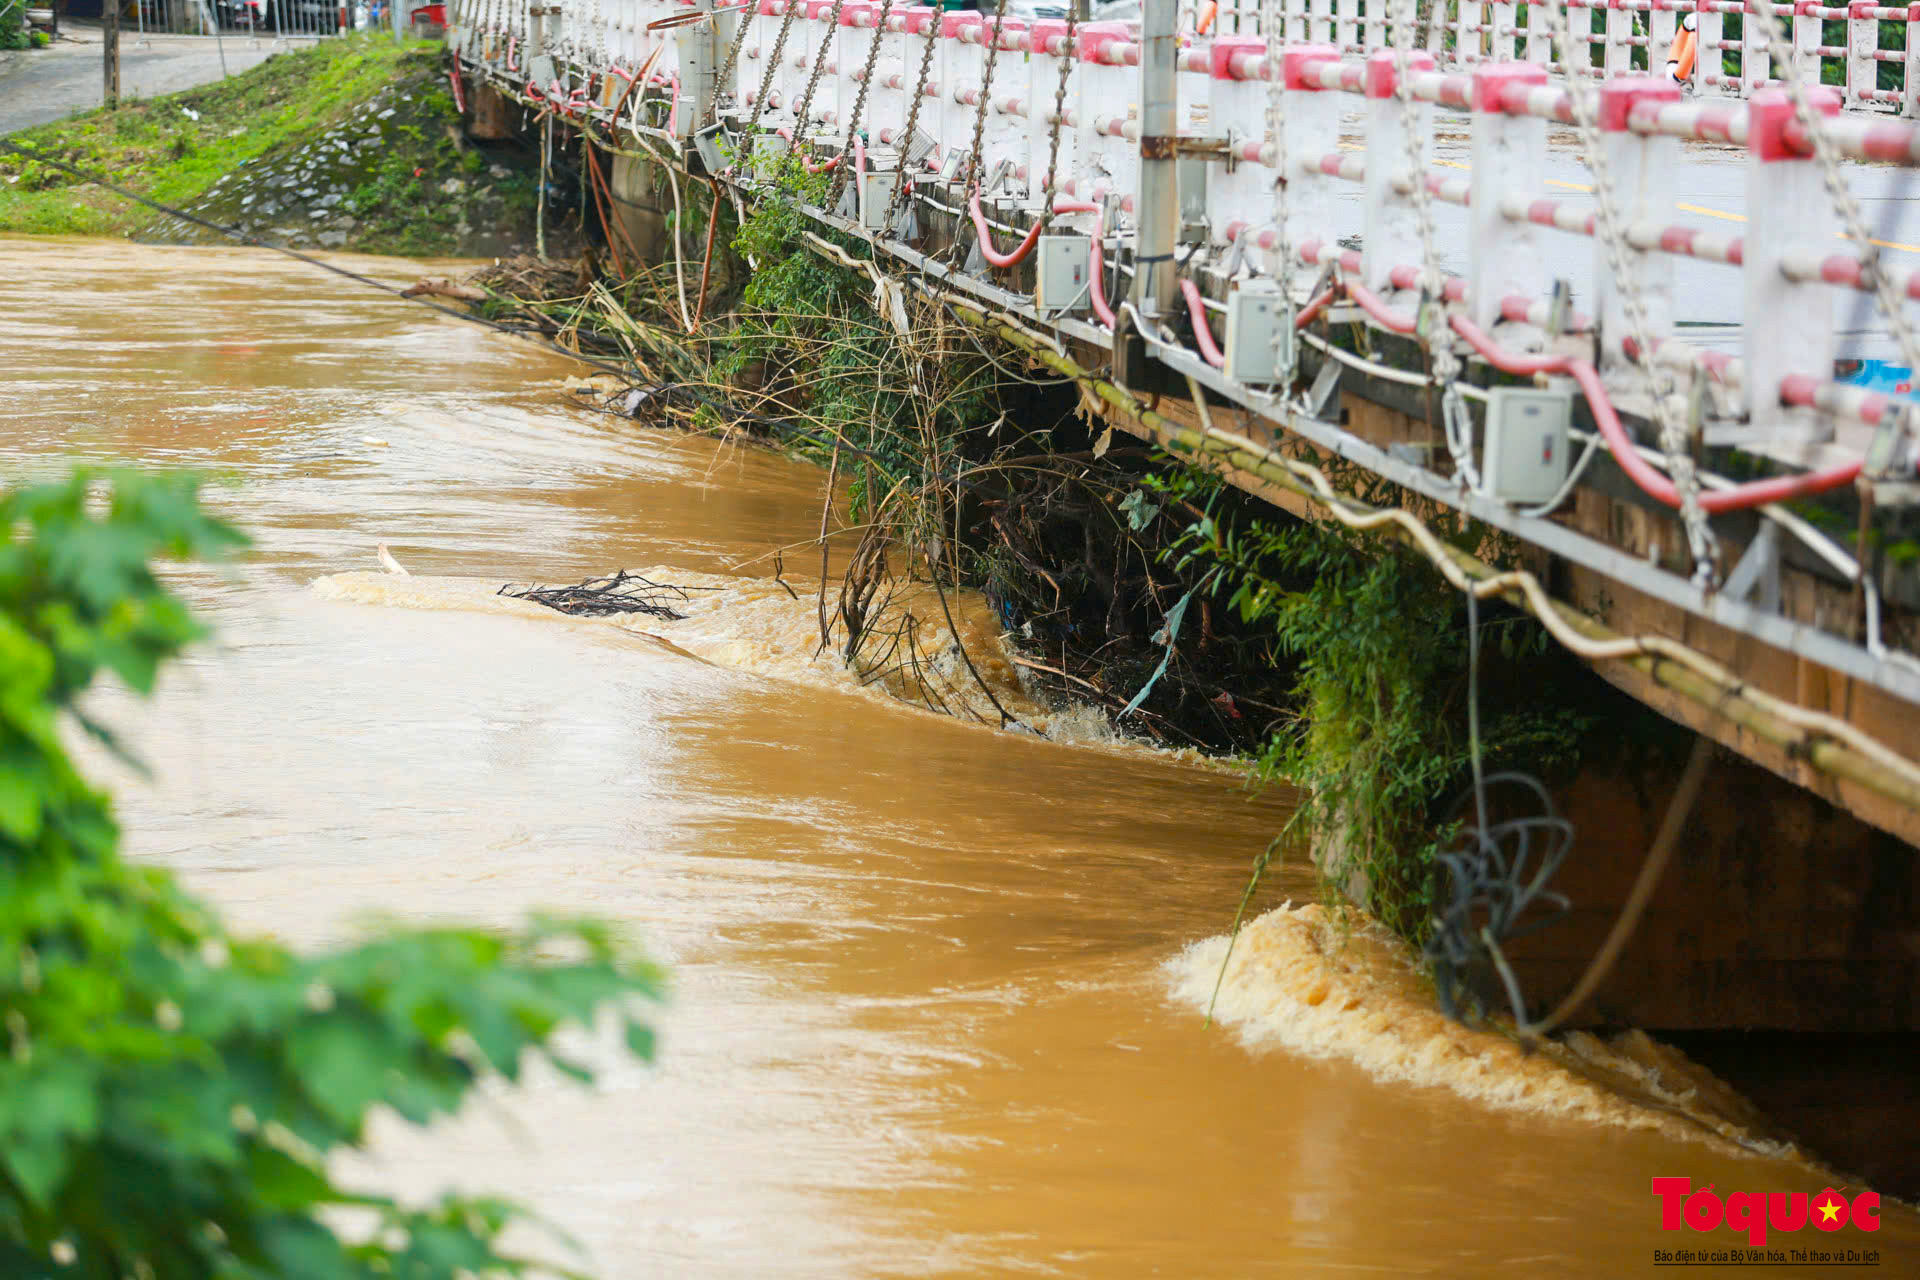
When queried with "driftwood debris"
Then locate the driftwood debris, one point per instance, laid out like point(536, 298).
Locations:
point(603, 597)
point(441, 288)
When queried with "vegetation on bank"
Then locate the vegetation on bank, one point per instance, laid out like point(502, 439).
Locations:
point(348, 143)
point(1132, 577)
point(171, 1094)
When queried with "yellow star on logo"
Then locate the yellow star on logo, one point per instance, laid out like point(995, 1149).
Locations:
point(1829, 1211)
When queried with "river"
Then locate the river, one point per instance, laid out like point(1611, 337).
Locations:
point(936, 988)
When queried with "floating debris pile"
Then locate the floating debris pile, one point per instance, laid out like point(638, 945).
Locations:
point(604, 597)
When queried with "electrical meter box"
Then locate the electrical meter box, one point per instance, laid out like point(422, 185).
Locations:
point(767, 150)
point(1524, 455)
point(1062, 282)
point(711, 143)
point(876, 197)
point(1254, 317)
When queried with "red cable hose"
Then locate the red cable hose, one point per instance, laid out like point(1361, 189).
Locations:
point(1657, 486)
point(1312, 310)
point(1097, 284)
point(1202, 331)
point(1025, 247)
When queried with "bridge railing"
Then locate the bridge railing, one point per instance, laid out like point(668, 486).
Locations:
point(1869, 52)
point(604, 56)
point(1215, 207)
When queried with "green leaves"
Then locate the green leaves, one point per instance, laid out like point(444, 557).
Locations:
point(1377, 742)
point(169, 1095)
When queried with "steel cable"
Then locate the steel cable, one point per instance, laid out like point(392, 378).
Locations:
point(247, 238)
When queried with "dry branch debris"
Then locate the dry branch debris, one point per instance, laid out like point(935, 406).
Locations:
point(603, 597)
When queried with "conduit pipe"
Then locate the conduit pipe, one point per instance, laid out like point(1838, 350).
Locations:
point(1202, 331)
point(1655, 485)
point(1025, 247)
point(1097, 285)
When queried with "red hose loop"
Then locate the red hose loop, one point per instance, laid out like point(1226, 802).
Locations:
point(1385, 316)
point(1310, 312)
point(1097, 285)
point(1025, 247)
point(985, 233)
point(1652, 482)
point(1202, 331)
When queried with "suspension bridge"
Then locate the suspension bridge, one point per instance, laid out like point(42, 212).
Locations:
point(1495, 255)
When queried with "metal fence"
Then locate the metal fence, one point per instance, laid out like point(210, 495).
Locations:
point(305, 19)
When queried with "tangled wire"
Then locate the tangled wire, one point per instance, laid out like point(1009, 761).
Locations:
point(1495, 875)
point(1496, 872)
point(604, 597)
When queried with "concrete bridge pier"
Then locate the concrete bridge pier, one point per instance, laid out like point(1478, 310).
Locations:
point(642, 204)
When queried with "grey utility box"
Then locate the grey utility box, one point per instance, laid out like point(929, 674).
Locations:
point(1254, 315)
point(1524, 457)
point(1061, 275)
point(876, 197)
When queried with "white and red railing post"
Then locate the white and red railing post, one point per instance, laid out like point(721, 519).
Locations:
point(1050, 55)
point(1240, 193)
point(1004, 134)
point(1509, 155)
point(1109, 87)
point(1643, 172)
point(1310, 125)
point(859, 21)
point(1789, 211)
point(1390, 227)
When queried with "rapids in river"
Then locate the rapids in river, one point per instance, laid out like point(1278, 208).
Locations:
point(937, 989)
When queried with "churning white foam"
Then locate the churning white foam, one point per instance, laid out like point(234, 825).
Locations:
point(769, 628)
point(1298, 981)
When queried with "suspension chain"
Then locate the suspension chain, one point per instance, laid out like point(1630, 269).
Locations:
point(1432, 328)
point(1273, 24)
point(766, 76)
point(748, 10)
point(1887, 298)
point(859, 107)
point(803, 122)
point(1669, 418)
point(903, 190)
point(1059, 114)
point(980, 116)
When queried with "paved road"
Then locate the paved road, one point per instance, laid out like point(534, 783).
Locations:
point(41, 85)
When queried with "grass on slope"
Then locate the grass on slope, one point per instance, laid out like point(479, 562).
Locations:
point(174, 148)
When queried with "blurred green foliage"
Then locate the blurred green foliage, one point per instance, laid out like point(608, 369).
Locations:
point(170, 1094)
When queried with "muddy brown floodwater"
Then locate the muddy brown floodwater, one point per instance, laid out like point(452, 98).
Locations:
point(936, 988)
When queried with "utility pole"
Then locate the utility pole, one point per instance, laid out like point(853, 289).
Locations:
point(1159, 202)
point(1159, 220)
point(110, 69)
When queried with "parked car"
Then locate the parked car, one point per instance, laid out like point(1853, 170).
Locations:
point(1102, 11)
point(249, 15)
